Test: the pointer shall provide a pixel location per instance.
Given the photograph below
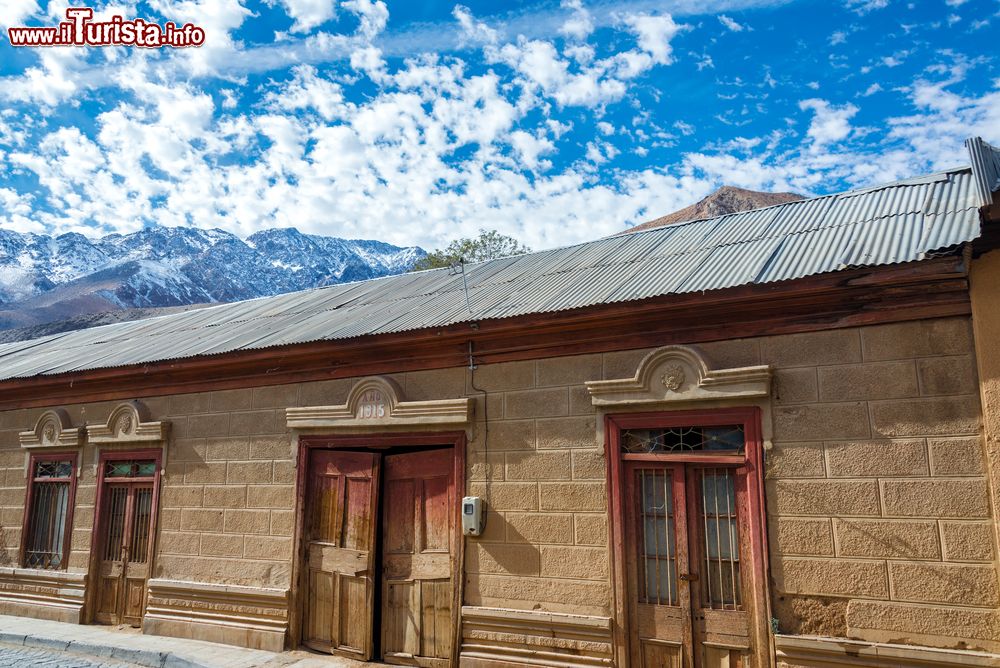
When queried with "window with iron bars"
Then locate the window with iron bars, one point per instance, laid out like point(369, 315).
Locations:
point(50, 500)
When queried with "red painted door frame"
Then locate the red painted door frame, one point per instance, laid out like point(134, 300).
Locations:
point(752, 461)
point(454, 439)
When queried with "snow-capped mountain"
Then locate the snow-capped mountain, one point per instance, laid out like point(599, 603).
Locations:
point(45, 278)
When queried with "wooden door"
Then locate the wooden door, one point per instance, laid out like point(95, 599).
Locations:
point(657, 567)
point(684, 557)
point(418, 548)
point(125, 553)
point(342, 496)
point(718, 505)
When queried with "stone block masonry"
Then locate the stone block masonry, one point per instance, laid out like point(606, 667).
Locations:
point(876, 486)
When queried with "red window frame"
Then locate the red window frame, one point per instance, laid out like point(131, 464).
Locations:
point(29, 502)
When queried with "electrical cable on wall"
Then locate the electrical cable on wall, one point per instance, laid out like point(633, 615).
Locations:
point(486, 420)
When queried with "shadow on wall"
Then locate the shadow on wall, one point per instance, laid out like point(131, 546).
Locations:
point(5, 559)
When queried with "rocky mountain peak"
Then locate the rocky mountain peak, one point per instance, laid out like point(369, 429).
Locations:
point(725, 200)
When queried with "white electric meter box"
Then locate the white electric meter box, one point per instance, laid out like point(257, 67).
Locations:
point(473, 516)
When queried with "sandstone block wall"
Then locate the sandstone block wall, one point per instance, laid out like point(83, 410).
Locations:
point(878, 505)
point(879, 515)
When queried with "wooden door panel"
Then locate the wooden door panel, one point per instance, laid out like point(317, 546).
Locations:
point(435, 623)
point(726, 622)
point(341, 500)
point(135, 600)
point(319, 613)
point(419, 567)
point(355, 613)
point(661, 654)
point(660, 621)
point(331, 559)
point(723, 657)
point(437, 513)
point(400, 632)
point(399, 531)
point(417, 561)
point(359, 508)
point(107, 599)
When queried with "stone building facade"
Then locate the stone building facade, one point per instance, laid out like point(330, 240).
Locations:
point(813, 493)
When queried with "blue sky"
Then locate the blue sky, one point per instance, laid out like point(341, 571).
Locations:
point(418, 122)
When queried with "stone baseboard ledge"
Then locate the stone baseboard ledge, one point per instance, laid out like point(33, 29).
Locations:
point(829, 652)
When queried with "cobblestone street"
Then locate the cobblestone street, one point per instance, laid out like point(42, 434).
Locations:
point(12, 656)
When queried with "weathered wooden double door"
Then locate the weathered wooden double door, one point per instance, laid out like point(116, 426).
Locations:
point(126, 525)
point(380, 589)
point(687, 559)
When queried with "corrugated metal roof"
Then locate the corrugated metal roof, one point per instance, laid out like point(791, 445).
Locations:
point(897, 222)
point(985, 167)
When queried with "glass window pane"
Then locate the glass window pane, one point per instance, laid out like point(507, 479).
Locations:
point(130, 468)
point(118, 469)
point(657, 542)
point(720, 539)
point(53, 469)
point(146, 468)
point(729, 438)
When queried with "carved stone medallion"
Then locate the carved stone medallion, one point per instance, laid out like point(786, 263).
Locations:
point(49, 433)
point(124, 424)
point(673, 377)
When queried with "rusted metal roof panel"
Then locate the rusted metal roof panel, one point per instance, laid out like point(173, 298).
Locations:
point(897, 222)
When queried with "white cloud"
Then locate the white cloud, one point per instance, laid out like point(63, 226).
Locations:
point(541, 68)
point(731, 24)
point(830, 123)
point(529, 148)
point(865, 6)
point(309, 14)
point(944, 119)
point(685, 129)
point(473, 31)
point(654, 34)
point(307, 90)
point(15, 12)
point(872, 89)
point(580, 24)
point(16, 212)
point(373, 16)
point(368, 59)
point(219, 18)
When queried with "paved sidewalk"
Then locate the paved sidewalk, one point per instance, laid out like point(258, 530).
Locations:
point(130, 646)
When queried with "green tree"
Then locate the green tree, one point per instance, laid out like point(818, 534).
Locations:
point(489, 245)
